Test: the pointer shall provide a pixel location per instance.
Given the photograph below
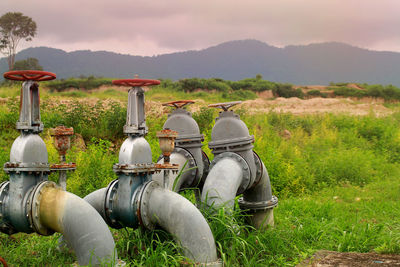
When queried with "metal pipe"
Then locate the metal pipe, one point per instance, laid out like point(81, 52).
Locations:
point(83, 228)
point(97, 199)
point(184, 221)
point(175, 158)
point(222, 184)
point(258, 202)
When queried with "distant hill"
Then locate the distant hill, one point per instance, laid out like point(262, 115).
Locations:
point(310, 64)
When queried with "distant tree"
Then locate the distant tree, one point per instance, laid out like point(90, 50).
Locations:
point(14, 27)
point(259, 77)
point(27, 64)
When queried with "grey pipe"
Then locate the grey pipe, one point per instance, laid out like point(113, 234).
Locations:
point(82, 227)
point(259, 202)
point(184, 221)
point(97, 200)
point(175, 158)
point(222, 184)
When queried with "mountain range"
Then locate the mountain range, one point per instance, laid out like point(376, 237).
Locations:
point(320, 63)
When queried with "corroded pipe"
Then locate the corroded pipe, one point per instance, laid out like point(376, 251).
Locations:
point(83, 228)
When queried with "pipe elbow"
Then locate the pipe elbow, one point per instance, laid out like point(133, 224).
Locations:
point(183, 220)
point(82, 226)
point(222, 183)
point(259, 202)
point(97, 199)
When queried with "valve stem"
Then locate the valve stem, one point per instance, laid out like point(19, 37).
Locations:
point(166, 139)
point(62, 142)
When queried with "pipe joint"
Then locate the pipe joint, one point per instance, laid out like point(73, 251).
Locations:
point(142, 204)
point(246, 175)
point(5, 226)
point(110, 215)
point(190, 176)
point(120, 205)
point(33, 207)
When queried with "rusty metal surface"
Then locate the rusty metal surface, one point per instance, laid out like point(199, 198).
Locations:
point(167, 166)
point(63, 166)
point(62, 138)
point(225, 106)
point(3, 261)
point(26, 167)
point(166, 139)
point(134, 168)
point(178, 104)
point(61, 131)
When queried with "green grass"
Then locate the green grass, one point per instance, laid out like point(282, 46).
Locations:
point(336, 177)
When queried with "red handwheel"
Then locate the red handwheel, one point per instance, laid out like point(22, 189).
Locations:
point(136, 82)
point(29, 75)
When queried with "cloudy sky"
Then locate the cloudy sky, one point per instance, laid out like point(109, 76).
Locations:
point(145, 27)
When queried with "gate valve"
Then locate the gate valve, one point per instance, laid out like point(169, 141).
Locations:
point(29, 117)
point(135, 117)
point(178, 104)
point(225, 106)
point(62, 142)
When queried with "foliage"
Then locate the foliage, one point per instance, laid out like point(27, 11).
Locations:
point(286, 90)
point(77, 83)
point(14, 27)
point(330, 175)
point(27, 64)
point(316, 93)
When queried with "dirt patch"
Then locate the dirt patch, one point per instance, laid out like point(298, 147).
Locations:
point(325, 258)
point(265, 94)
point(316, 105)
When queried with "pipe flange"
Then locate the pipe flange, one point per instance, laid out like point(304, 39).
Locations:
point(206, 167)
point(140, 168)
point(257, 206)
point(142, 204)
point(259, 169)
point(4, 226)
point(191, 166)
point(110, 216)
point(242, 162)
point(4, 187)
point(26, 167)
point(33, 207)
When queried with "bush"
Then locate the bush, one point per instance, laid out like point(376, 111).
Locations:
point(316, 93)
point(81, 83)
point(349, 92)
point(286, 90)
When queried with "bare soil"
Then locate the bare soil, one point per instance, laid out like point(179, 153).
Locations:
point(325, 258)
point(316, 105)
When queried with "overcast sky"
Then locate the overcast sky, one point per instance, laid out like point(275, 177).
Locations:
point(152, 27)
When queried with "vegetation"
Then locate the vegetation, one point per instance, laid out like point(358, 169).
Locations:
point(30, 63)
point(14, 27)
point(83, 83)
point(336, 177)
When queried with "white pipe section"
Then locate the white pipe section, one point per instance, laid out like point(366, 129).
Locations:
point(222, 184)
point(184, 221)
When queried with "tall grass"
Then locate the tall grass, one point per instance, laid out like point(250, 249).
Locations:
point(336, 176)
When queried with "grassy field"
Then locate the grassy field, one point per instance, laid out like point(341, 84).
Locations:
point(336, 176)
